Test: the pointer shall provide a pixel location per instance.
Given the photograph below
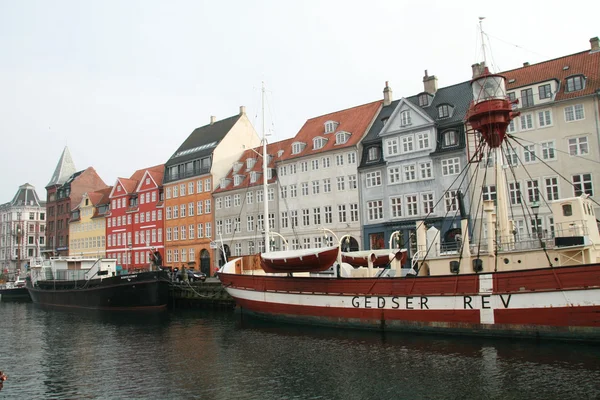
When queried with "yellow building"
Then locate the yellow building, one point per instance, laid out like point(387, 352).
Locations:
point(87, 228)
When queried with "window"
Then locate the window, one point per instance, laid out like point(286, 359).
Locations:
point(373, 179)
point(578, 146)
point(423, 100)
point(582, 183)
point(354, 212)
point(237, 200)
point(405, 118)
point(200, 231)
point(317, 216)
point(260, 194)
point(427, 203)
point(408, 144)
point(181, 210)
point(175, 213)
point(208, 229)
point(341, 137)
point(176, 233)
point(316, 187)
point(451, 200)
point(330, 126)
point(375, 210)
point(318, 143)
point(352, 183)
point(514, 192)
point(227, 201)
point(425, 170)
point(574, 113)
point(574, 83)
point(283, 170)
point(237, 180)
point(396, 207)
point(545, 118)
point(207, 185)
point(450, 166)
point(315, 164)
point(341, 183)
point(551, 188)
point(533, 193)
point(294, 218)
point(529, 153)
point(326, 185)
point(297, 147)
point(284, 219)
point(304, 188)
point(339, 159)
point(342, 213)
point(545, 91)
point(167, 215)
point(512, 156)
point(200, 208)
point(191, 231)
point(207, 206)
point(351, 158)
point(443, 111)
point(450, 138)
point(393, 175)
point(199, 186)
point(526, 122)
point(326, 161)
point(511, 126)
point(328, 214)
point(410, 173)
point(294, 192)
point(412, 207)
point(423, 140)
point(250, 223)
point(391, 147)
point(304, 166)
point(548, 152)
point(527, 98)
point(182, 189)
point(168, 193)
point(489, 192)
point(373, 154)
point(249, 197)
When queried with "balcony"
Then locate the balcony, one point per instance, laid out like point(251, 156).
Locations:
point(171, 177)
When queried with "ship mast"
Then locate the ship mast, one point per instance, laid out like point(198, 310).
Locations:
point(265, 161)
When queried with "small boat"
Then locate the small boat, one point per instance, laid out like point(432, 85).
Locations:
point(14, 291)
point(97, 284)
point(378, 258)
point(302, 260)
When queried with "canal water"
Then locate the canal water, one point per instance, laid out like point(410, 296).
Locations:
point(56, 354)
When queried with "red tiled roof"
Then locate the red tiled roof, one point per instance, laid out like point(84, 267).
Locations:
point(158, 175)
point(355, 120)
point(130, 184)
point(584, 63)
point(137, 175)
point(272, 149)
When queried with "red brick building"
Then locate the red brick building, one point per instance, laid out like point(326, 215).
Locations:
point(134, 224)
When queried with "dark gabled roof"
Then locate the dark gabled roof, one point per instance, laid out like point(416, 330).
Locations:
point(458, 96)
point(378, 124)
point(26, 195)
point(202, 141)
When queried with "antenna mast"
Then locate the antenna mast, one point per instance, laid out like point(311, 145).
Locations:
point(482, 41)
point(265, 161)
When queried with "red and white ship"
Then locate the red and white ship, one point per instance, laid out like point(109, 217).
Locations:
point(543, 288)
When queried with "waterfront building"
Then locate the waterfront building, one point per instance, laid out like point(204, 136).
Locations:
point(411, 156)
point(22, 230)
point(134, 224)
point(555, 150)
point(87, 227)
point(66, 189)
point(318, 182)
point(239, 203)
point(201, 160)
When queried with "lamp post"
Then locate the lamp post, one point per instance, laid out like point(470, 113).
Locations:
point(535, 208)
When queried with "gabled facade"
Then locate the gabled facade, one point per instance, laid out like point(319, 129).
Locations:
point(22, 230)
point(412, 156)
point(239, 202)
point(318, 178)
point(134, 225)
point(555, 151)
point(191, 173)
point(87, 227)
point(64, 192)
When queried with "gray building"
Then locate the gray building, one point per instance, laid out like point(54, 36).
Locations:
point(412, 163)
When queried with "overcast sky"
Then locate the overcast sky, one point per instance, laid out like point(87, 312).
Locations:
point(123, 83)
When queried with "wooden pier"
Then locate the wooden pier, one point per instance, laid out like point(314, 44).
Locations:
point(208, 294)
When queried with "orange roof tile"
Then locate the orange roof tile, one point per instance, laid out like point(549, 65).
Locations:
point(355, 120)
point(272, 149)
point(585, 63)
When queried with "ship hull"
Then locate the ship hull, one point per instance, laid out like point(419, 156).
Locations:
point(561, 303)
point(141, 291)
point(15, 294)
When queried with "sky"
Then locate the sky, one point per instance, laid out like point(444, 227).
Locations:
point(123, 83)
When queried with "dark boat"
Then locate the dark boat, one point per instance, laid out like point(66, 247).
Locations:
point(14, 291)
point(96, 284)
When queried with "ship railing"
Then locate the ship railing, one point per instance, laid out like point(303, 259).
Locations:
point(525, 242)
point(571, 229)
point(70, 274)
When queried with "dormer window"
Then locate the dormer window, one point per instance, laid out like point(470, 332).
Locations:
point(250, 163)
point(405, 118)
point(318, 143)
point(342, 137)
point(279, 153)
point(373, 154)
point(297, 147)
point(330, 126)
point(237, 166)
point(423, 100)
point(450, 139)
point(224, 182)
point(444, 111)
point(575, 83)
point(253, 176)
point(269, 173)
point(385, 120)
point(237, 180)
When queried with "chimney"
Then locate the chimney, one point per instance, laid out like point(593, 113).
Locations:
point(429, 83)
point(213, 119)
point(595, 44)
point(387, 95)
point(242, 110)
point(526, 64)
point(478, 69)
